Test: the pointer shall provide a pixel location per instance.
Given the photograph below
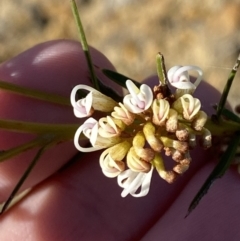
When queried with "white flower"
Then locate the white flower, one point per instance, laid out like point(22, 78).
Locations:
point(90, 129)
point(179, 78)
point(108, 127)
point(95, 100)
point(121, 113)
point(111, 159)
point(190, 105)
point(131, 181)
point(160, 111)
point(136, 163)
point(83, 107)
point(138, 100)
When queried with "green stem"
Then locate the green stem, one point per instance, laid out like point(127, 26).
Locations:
point(84, 44)
point(161, 69)
point(222, 128)
point(36, 94)
point(66, 131)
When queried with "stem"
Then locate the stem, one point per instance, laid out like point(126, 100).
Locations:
point(161, 69)
point(222, 128)
point(36, 94)
point(66, 131)
point(84, 44)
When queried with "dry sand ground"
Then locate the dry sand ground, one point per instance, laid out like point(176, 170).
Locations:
point(130, 32)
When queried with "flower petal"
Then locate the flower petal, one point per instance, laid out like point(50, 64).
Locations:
point(179, 77)
point(99, 101)
point(138, 100)
point(131, 181)
point(90, 130)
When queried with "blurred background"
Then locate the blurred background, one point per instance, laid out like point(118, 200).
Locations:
point(205, 33)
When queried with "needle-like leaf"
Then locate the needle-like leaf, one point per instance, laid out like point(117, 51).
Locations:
point(23, 178)
point(217, 172)
point(227, 87)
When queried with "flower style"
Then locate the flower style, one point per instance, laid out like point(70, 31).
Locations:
point(138, 132)
point(138, 100)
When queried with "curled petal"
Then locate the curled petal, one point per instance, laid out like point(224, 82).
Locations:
point(131, 181)
point(110, 167)
point(90, 129)
point(111, 159)
point(108, 127)
point(83, 107)
point(94, 99)
point(121, 113)
point(160, 111)
point(191, 106)
point(138, 100)
point(135, 163)
point(179, 78)
point(199, 120)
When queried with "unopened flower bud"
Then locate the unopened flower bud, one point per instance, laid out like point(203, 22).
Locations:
point(172, 122)
point(206, 140)
point(192, 140)
point(147, 154)
point(111, 159)
point(160, 109)
point(168, 176)
point(182, 133)
point(153, 141)
point(123, 114)
point(199, 120)
point(178, 145)
point(182, 166)
point(108, 127)
point(191, 106)
point(135, 163)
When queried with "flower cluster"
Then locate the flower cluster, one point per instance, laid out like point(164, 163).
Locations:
point(138, 132)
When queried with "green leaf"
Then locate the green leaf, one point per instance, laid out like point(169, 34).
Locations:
point(119, 78)
point(227, 87)
point(109, 92)
point(217, 172)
